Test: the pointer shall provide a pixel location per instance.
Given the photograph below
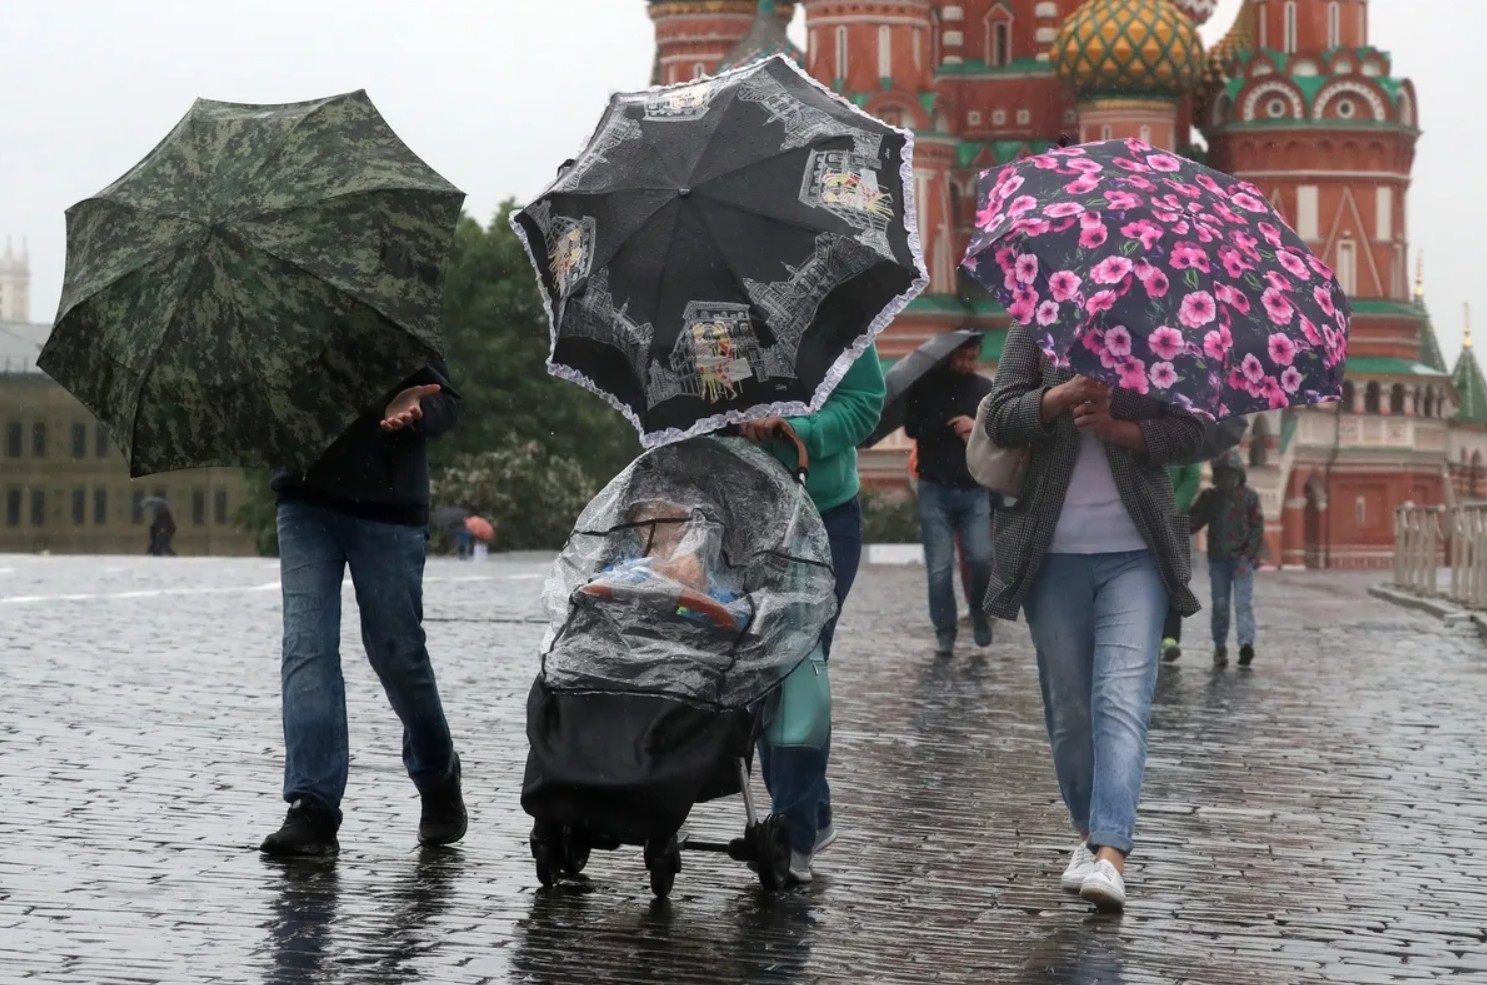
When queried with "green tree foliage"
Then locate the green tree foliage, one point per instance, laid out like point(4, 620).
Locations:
point(519, 425)
point(890, 517)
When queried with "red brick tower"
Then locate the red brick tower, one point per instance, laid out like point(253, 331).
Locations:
point(693, 37)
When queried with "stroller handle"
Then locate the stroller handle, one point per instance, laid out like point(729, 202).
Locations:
point(802, 457)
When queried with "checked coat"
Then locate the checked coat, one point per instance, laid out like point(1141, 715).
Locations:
point(1024, 532)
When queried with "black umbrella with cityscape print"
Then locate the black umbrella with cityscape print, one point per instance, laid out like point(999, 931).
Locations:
point(723, 250)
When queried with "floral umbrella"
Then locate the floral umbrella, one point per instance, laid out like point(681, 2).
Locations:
point(1159, 275)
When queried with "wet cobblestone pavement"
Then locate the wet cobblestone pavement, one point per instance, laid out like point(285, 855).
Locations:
point(1316, 819)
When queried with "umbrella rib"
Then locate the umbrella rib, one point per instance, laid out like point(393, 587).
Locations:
point(353, 295)
point(339, 196)
point(792, 223)
point(170, 324)
point(144, 262)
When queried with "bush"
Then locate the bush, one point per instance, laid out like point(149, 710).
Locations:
point(258, 514)
point(890, 517)
point(530, 495)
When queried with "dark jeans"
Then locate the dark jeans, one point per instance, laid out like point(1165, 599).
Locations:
point(945, 515)
point(796, 776)
point(386, 561)
point(1172, 628)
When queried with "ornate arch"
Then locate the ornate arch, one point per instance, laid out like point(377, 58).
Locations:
point(1371, 95)
point(1273, 87)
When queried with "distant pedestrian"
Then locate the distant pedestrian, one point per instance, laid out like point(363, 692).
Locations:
point(1092, 558)
point(464, 543)
point(162, 533)
point(363, 505)
point(953, 509)
point(1185, 482)
point(1236, 534)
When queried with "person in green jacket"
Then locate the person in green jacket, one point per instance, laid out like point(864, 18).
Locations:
point(796, 777)
point(1185, 482)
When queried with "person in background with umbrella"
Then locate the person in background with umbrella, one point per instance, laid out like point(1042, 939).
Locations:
point(796, 777)
point(162, 528)
point(363, 505)
point(939, 414)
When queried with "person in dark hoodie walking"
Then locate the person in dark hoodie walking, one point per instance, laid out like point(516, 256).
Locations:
point(953, 509)
point(363, 505)
point(1236, 533)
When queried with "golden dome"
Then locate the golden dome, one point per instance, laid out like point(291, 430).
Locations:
point(1240, 40)
point(1128, 48)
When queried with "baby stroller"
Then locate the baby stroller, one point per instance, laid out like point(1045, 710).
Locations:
point(692, 586)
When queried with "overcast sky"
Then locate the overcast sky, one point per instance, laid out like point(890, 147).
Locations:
point(494, 94)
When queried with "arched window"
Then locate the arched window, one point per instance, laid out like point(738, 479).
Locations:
point(699, 70)
point(1415, 400)
point(1474, 477)
point(1430, 402)
point(1396, 399)
point(841, 52)
point(1372, 399)
point(1001, 43)
point(885, 52)
point(1334, 24)
point(1144, 135)
point(1105, 132)
point(1349, 397)
point(1290, 28)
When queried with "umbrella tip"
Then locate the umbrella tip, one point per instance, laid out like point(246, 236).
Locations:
point(566, 166)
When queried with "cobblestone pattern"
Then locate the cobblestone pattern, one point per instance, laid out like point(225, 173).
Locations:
point(1311, 820)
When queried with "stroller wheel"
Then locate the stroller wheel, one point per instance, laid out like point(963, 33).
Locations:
point(664, 861)
point(772, 852)
point(575, 855)
point(547, 863)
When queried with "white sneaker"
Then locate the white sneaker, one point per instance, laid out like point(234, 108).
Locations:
point(1080, 866)
point(1104, 887)
point(825, 838)
point(800, 867)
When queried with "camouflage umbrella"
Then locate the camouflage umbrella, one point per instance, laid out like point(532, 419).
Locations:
point(253, 285)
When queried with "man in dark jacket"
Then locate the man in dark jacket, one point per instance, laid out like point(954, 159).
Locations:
point(940, 414)
point(364, 504)
point(1236, 533)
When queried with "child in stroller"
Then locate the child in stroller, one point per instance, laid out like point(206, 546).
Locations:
point(692, 586)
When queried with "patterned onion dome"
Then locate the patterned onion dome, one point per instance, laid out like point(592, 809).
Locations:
point(766, 38)
point(1240, 40)
point(1198, 11)
point(1128, 48)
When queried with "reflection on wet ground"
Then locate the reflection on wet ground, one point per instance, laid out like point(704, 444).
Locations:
point(1312, 820)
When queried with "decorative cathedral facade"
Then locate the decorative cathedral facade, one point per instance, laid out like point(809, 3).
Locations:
point(1296, 98)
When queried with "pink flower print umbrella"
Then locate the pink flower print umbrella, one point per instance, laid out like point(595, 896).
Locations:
point(1156, 274)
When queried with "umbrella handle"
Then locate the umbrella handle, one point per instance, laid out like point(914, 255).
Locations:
point(802, 458)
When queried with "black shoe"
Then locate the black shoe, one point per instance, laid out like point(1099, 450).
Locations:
point(444, 819)
point(1221, 657)
point(1171, 651)
point(945, 644)
point(981, 627)
point(307, 832)
point(1246, 655)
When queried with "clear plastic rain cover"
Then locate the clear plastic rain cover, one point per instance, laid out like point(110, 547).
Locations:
point(702, 572)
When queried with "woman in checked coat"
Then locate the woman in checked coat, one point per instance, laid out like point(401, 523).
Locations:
point(1093, 552)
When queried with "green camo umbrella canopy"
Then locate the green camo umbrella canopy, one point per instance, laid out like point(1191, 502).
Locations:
point(254, 285)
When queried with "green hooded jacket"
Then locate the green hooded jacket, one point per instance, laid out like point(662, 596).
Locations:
point(832, 434)
point(1185, 482)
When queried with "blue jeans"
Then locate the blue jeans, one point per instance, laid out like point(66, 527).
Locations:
point(794, 775)
point(1235, 576)
point(1096, 622)
point(315, 547)
point(944, 513)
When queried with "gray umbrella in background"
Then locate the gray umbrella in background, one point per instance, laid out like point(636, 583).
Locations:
point(910, 370)
point(154, 503)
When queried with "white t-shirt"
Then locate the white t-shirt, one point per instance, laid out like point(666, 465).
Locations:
point(1094, 520)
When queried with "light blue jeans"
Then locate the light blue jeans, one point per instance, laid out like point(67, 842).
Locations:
point(1096, 622)
point(1237, 577)
point(316, 546)
point(944, 512)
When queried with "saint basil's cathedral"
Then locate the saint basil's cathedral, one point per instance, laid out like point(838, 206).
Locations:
point(1294, 98)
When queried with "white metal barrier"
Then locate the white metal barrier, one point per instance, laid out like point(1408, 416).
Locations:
point(1428, 537)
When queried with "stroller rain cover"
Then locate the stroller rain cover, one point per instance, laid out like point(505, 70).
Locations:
point(701, 573)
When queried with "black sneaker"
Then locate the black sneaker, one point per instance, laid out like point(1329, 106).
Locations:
point(444, 819)
point(308, 831)
point(1221, 657)
point(1246, 655)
